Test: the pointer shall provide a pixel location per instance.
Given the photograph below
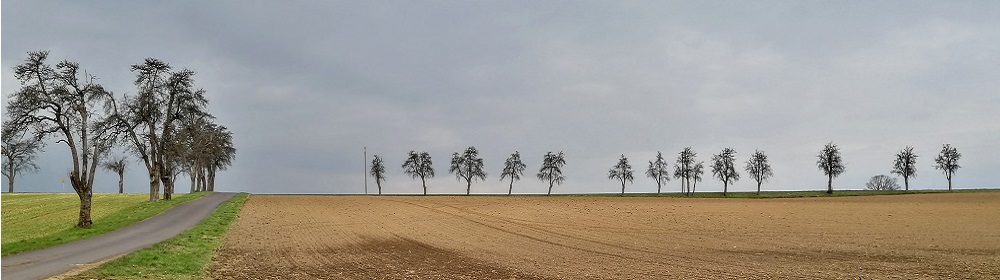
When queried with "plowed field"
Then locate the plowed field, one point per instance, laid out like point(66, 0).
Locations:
point(924, 236)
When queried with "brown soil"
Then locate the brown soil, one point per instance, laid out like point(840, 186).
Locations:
point(926, 236)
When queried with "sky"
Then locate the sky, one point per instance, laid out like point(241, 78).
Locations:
point(305, 86)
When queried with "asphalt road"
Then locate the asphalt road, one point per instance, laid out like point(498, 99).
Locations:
point(59, 259)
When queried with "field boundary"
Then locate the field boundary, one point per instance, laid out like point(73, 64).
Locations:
point(741, 194)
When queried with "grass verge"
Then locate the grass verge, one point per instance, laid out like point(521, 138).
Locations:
point(185, 256)
point(38, 221)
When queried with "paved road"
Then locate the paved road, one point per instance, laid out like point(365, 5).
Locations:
point(59, 259)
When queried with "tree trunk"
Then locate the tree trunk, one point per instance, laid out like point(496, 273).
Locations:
point(725, 188)
point(121, 182)
point(511, 189)
point(194, 186)
point(758, 187)
point(682, 186)
point(906, 182)
point(659, 185)
point(202, 184)
point(829, 184)
point(949, 183)
point(154, 184)
point(379, 184)
point(10, 183)
point(85, 199)
point(211, 179)
point(168, 188)
point(468, 187)
point(623, 187)
point(424, 183)
point(694, 189)
point(550, 188)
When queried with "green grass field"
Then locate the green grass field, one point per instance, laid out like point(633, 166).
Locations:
point(185, 256)
point(34, 221)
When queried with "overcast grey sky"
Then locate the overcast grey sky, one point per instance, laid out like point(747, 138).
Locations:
point(304, 85)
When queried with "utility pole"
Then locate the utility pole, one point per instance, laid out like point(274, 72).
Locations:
point(366, 170)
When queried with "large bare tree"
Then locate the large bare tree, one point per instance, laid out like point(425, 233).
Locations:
point(724, 168)
point(905, 165)
point(513, 168)
point(150, 118)
point(658, 170)
point(759, 168)
point(19, 150)
point(118, 165)
point(947, 162)
point(621, 171)
point(419, 165)
point(378, 172)
point(551, 170)
point(468, 166)
point(58, 102)
point(830, 163)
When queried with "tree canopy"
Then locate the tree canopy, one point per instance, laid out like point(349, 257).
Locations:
point(468, 166)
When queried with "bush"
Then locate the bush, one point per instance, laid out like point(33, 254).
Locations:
point(882, 183)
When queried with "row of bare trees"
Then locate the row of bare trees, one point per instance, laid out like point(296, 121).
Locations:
point(164, 124)
point(468, 166)
point(690, 172)
point(905, 165)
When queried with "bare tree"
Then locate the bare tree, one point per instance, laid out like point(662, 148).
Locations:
point(696, 171)
point(905, 165)
point(222, 152)
point(191, 151)
point(830, 163)
point(200, 148)
point(118, 166)
point(551, 170)
point(18, 152)
point(378, 172)
point(513, 168)
point(658, 171)
point(622, 171)
point(947, 162)
point(468, 166)
point(724, 168)
point(419, 165)
point(882, 183)
point(759, 168)
point(164, 98)
point(685, 169)
point(56, 101)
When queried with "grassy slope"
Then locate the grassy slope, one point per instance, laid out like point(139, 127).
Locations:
point(36, 221)
point(185, 256)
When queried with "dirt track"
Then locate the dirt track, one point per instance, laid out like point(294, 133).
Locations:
point(896, 237)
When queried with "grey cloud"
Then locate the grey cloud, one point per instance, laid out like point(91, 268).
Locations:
point(305, 85)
